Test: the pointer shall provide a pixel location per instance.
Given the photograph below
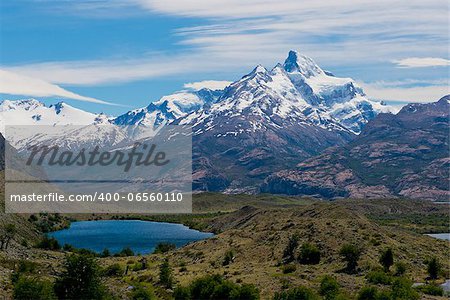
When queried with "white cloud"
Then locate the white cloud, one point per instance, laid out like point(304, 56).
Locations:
point(405, 94)
point(209, 84)
point(421, 62)
point(15, 84)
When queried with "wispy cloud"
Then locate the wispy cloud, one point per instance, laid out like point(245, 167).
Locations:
point(404, 94)
point(209, 84)
point(422, 62)
point(15, 84)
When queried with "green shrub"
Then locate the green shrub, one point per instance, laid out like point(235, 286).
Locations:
point(164, 247)
point(387, 259)
point(350, 254)
point(105, 253)
point(298, 293)
point(329, 288)
point(80, 279)
point(127, 251)
point(433, 268)
point(402, 289)
point(400, 269)
point(378, 277)
point(113, 270)
point(290, 268)
point(33, 288)
point(48, 243)
point(182, 293)
point(309, 254)
point(228, 258)
point(215, 287)
point(368, 293)
point(139, 292)
point(26, 266)
point(165, 274)
point(431, 289)
point(289, 251)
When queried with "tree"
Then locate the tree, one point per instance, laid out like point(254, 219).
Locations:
point(350, 254)
point(387, 259)
point(289, 251)
point(433, 268)
point(309, 254)
point(165, 274)
point(298, 293)
point(164, 247)
point(8, 233)
point(329, 288)
point(33, 288)
point(80, 279)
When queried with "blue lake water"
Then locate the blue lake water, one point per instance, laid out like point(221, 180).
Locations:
point(441, 236)
point(140, 236)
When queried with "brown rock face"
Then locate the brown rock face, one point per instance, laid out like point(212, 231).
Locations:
point(404, 155)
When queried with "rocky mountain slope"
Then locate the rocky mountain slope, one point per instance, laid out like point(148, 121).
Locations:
point(270, 120)
point(404, 155)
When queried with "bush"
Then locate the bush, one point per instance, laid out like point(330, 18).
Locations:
point(141, 293)
point(127, 251)
point(290, 268)
point(289, 251)
point(431, 289)
point(298, 293)
point(80, 279)
point(164, 247)
point(350, 254)
point(33, 288)
point(113, 270)
point(182, 293)
point(215, 287)
point(402, 289)
point(309, 254)
point(433, 268)
point(400, 269)
point(165, 274)
point(229, 257)
point(105, 253)
point(368, 293)
point(329, 288)
point(387, 259)
point(378, 277)
point(48, 243)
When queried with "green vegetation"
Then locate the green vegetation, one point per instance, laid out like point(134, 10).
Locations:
point(433, 268)
point(141, 292)
point(350, 253)
point(113, 270)
point(164, 247)
point(298, 293)
point(379, 277)
point(48, 243)
point(329, 288)
point(33, 288)
point(127, 251)
point(80, 279)
point(228, 258)
point(7, 235)
point(400, 269)
point(431, 289)
point(215, 287)
point(165, 274)
point(289, 268)
point(402, 289)
point(289, 251)
point(309, 254)
point(387, 259)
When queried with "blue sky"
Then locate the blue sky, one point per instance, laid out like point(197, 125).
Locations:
point(130, 52)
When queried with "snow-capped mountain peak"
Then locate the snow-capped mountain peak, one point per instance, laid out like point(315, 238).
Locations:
point(296, 63)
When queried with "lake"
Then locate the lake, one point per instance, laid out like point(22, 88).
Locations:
point(140, 236)
point(441, 236)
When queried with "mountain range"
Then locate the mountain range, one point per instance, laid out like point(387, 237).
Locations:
point(257, 132)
